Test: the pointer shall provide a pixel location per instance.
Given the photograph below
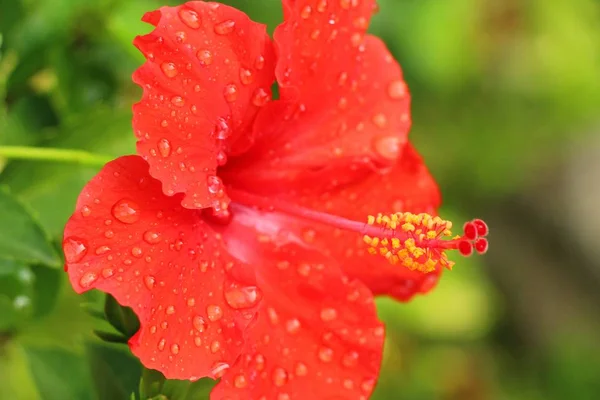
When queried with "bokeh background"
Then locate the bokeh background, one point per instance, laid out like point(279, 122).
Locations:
point(506, 110)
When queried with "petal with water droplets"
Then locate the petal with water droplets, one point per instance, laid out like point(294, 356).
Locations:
point(200, 83)
point(344, 106)
point(309, 341)
point(164, 262)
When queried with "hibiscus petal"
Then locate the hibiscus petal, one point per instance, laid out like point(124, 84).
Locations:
point(317, 334)
point(407, 186)
point(209, 69)
point(342, 95)
point(128, 239)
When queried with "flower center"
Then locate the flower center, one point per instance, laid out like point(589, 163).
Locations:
point(416, 241)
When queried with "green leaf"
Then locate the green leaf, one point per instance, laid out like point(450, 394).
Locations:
point(47, 285)
point(59, 374)
point(111, 337)
point(16, 291)
point(122, 318)
point(115, 372)
point(154, 386)
point(21, 237)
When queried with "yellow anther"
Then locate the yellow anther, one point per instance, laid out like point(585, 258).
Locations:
point(417, 244)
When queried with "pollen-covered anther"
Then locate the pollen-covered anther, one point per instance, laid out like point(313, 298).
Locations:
point(419, 241)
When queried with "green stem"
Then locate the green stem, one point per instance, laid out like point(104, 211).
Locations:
point(51, 154)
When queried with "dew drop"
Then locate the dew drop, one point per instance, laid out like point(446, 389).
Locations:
point(175, 348)
point(190, 18)
point(259, 63)
point(161, 344)
point(242, 297)
point(215, 346)
point(199, 323)
point(301, 369)
point(170, 310)
point(126, 211)
point(292, 326)
point(328, 314)
point(279, 376)
point(225, 27)
point(260, 97)
point(169, 69)
point(178, 101)
point(246, 76)
point(109, 234)
point(350, 359)
point(149, 281)
point(88, 279)
point(152, 237)
point(304, 269)
point(222, 129)
point(75, 249)
point(221, 158)
point(306, 11)
point(205, 56)
point(214, 184)
point(380, 120)
point(325, 354)
point(107, 272)
point(191, 302)
point(86, 211)
point(102, 250)
point(164, 147)
point(218, 369)
point(230, 93)
point(240, 381)
point(367, 386)
point(198, 341)
point(322, 5)
point(348, 384)
point(387, 147)
point(397, 90)
point(214, 312)
point(136, 252)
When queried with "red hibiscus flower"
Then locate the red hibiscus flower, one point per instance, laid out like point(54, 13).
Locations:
point(240, 234)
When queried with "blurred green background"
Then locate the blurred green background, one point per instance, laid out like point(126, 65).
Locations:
point(506, 112)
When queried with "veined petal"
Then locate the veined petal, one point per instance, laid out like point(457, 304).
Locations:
point(209, 69)
point(316, 335)
point(128, 239)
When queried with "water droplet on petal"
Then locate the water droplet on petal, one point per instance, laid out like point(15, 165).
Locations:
point(350, 359)
point(306, 11)
point(304, 269)
point(198, 341)
point(169, 69)
point(241, 297)
point(74, 249)
point(322, 5)
point(397, 90)
point(225, 27)
point(325, 354)
point(218, 369)
point(301, 369)
point(107, 272)
point(367, 386)
point(260, 97)
point(214, 184)
point(170, 310)
point(221, 158)
point(259, 63)
point(387, 147)
point(149, 281)
point(178, 101)
point(328, 314)
point(246, 76)
point(175, 348)
point(86, 211)
point(126, 211)
point(205, 57)
point(380, 120)
point(240, 381)
point(136, 252)
point(222, 129)
point(88, 279)
point(215, 346)
point(348, 384)
point(214, 312)
point(164, 147)
point(279, 376)
point(152, 237)
point(161, 344)
point(102, 250)
point(190, 18)
point(230, 93)
point(199, 323)
point(292, 326)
